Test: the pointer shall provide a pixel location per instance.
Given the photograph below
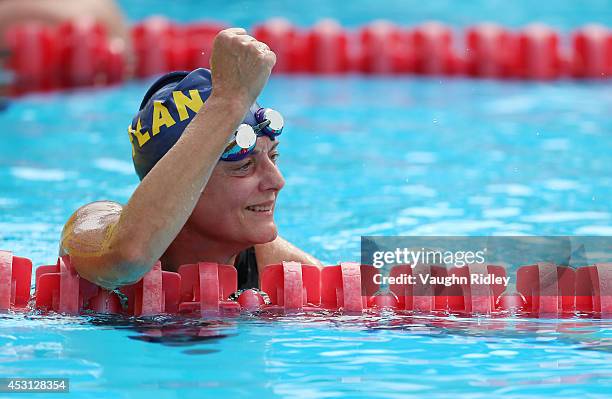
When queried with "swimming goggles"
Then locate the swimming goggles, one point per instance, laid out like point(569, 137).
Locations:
point(242, 143)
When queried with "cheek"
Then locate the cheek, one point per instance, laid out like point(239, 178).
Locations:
point(223, 201)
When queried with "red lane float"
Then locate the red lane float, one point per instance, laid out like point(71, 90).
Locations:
point(383, 300)
point(251, 300)
point(594, 289)
point(538, 53)
point(465, 298)
point(489, 51)
point(33, 58)
point(433, 52)
point(203, 289)
point(292, 286)
point(385, 49)
point(15, 277)
point(592, 57)
point(418, 296)
point(59, 288)
point(155, 47)
point(79, 53)
point(548, 289)
point(479, 299)
point(342, 288)
point(84, 53)
point(327, 48)
point(70, 55)
point(287, 42)
point(197, 40)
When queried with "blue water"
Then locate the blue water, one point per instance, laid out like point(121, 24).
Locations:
point(561, 14)
point(377, 156)
point(360, 156)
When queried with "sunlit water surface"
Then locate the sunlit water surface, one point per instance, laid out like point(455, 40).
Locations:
point(378, 156)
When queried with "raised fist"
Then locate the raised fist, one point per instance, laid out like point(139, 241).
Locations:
point(240, 65)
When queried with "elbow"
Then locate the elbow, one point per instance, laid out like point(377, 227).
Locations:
point(130, 263)
point(129, 254)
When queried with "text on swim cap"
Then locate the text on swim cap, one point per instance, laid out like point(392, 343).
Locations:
point(162, 116)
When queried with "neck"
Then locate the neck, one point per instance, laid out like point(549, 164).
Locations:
point(191, 246)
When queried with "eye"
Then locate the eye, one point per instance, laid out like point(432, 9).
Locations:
point(274, 156)
point(245, 167)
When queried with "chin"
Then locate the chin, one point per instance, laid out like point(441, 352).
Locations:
point(263, 234)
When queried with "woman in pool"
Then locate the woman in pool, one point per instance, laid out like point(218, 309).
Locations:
point(209, 179)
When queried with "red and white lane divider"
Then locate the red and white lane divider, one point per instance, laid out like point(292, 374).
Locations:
point(15, 277)
point(59, 288)
point(202, 289)
point(79, 53)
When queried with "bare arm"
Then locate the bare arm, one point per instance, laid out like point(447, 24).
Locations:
point(53, 12)
point(281, 250)
point(127, 241)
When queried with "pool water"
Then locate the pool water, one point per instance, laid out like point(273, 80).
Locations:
point(361, 157)
point(561, 14)
point(313, 357)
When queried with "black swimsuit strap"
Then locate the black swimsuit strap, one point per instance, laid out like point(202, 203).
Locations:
point(246, 265)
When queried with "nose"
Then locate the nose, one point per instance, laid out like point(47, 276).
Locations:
point(271, 178)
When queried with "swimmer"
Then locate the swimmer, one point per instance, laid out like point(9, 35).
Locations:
point(53, 12)
point(206, 154)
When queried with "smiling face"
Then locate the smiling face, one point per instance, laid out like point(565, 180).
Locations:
point(237, 205)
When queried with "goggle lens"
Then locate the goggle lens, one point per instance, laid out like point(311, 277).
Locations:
point(276, 121)
point(243, 141)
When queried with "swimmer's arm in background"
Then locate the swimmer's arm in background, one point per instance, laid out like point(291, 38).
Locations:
point(281, 250)
point(53, 12)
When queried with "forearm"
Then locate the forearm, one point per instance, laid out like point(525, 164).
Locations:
point(165, 198)
point(126, 246)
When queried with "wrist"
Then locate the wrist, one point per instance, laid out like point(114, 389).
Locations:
point(224, 113)
point(233, 103)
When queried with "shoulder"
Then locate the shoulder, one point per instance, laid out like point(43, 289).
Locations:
point(280, 250)
point(89, 225)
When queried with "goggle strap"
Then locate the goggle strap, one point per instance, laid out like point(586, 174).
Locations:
point(260, 126)
point(256, 129)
